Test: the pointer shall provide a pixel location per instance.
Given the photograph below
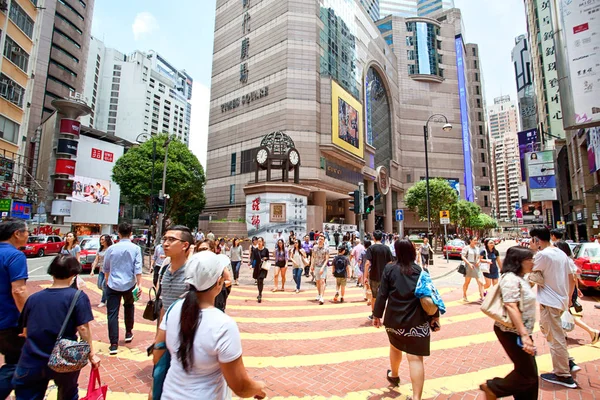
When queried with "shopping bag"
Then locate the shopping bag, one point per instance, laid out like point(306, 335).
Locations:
point(567, 321)
point(95, 389)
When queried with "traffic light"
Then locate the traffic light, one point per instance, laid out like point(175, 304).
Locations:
point(354, 201)
point(158, 204)
point(368, 205)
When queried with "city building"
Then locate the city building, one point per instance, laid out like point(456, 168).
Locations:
point(136, 93)
point(413, 8)
point(502, 117)
point(506, 176)
point(60, 66)
point(521, 58)
point(372, 7)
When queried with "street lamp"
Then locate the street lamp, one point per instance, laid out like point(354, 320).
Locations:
point(162, 194)
point(439, 118)
point(143, 138)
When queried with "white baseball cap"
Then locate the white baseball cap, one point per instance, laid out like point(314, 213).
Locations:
point(204, 269)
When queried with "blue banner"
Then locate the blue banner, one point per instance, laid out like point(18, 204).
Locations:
point(542, 182)
point(464, 118)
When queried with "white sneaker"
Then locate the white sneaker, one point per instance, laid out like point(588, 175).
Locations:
point(101, 305)
point(321, 300)
point(318, 298)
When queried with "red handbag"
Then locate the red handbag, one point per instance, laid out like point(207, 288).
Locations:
point(95, 389)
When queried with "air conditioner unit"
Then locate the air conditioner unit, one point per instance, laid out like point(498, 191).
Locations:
point(16, 50)
point(3, 5)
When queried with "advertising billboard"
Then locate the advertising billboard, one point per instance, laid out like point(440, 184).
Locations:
point(20, 210)
point(541, 177)
point(529, 141)
point(346, 121)
point(90, 190)
point(65, 167)
point(593, 149)
point(464, 119)
point(69, 127)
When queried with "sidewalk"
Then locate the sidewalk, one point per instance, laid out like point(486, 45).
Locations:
point(442, 268)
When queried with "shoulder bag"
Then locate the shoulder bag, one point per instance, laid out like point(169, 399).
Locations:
point(154, 305)
point(484, 267)
point(69, 355)
point(462, 268)
point(493, 306)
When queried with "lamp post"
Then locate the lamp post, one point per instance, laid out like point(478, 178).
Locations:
point(143, 138)
point(162, 194)
point(439, 118)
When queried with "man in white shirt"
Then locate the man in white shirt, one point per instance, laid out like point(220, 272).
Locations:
point(554, 298)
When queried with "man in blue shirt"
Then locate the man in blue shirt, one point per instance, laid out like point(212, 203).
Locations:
point(123, 268)
point(13, 294)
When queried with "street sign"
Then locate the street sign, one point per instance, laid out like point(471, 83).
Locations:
point(560, 224)
point(399, 215)
point(444, 217)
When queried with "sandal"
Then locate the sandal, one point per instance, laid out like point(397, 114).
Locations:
point(395, 381)
point(596, 337)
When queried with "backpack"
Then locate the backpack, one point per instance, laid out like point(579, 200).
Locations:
point(339, 267)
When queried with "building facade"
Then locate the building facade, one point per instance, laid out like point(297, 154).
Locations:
point(502, 117)
point(413, 8)
point(506, 176)
point(136, 93)
point(372, 8)
point(521, 58)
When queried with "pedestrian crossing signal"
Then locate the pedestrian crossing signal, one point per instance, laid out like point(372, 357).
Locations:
point(354, 202)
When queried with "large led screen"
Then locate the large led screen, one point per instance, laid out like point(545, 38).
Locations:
point(346, 121)
point(90, 190)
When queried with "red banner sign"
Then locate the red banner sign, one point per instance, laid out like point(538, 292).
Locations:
point(65, 167)
point(108, 156)
point(97, 154)
point(69, 127)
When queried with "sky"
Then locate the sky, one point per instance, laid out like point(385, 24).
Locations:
point(183, 31)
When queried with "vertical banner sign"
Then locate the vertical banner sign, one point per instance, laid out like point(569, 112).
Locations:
point(548, 53)
point(541, 175)
point(581, 19)
point(464, 118)
point(593, 149)
point(528, 143)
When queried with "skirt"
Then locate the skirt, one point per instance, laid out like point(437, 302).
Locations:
point(472, 272)
point(413, 341)
point(259, 273)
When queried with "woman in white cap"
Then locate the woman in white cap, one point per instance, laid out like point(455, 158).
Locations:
point(204, 342)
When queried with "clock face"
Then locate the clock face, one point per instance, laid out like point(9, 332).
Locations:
point(261, 156)
point(294, 157)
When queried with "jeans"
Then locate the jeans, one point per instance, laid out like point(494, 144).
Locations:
point(297, 272)
point(32, 383)
point(10, 347)
point(112, 309)
point(235, 265)
point(102, 285)
point(522, 383)
point(425, 260)
point(551, 327)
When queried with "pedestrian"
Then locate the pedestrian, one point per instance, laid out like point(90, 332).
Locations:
point(307, 246)
point(176, 241)
point(261, 255)
point(253, 257)
point(594, 333)
point(318, 267)
point(356, 261)
point(158, 260)
point(42, 318)
point(407, 324)
point(71, 246)
point(13, 294)
point(204, 343)
point(280, 268)
point(105, 243)
point(376, 258)
point(299, 260)
point(291, 240)
point(336, 238)
point(424, 251)
point(311, 235)
point(123, 265)
point(341, 266)
point(235, 255)
point(489, 255)
point(210, 246)
point(520, 304)
point(554, 298)
point(470, 257)
point(199, 236)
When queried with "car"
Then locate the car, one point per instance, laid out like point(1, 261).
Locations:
point(89, 248)
point(416, 239)
point(454, 248)
point(41, 245)
point(587, 259)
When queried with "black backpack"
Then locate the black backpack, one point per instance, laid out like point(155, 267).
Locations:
point(339, 267)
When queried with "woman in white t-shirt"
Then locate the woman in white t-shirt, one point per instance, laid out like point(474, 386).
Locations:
point(470, 257)
point(204, 343)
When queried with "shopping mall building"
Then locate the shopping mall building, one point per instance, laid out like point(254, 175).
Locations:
point(350, 95)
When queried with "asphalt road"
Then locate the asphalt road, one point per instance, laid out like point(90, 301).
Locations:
point(37, 267)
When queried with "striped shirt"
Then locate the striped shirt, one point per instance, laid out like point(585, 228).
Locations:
point(172, 285)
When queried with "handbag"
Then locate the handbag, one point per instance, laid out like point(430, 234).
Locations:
point(153, 306)
point(95, 389)
point(493, 306)
point(69, 355)
point(462, 269)
point(266, 265)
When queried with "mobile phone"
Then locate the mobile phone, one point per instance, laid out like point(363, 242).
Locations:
point(435, 326)
point(520, 344)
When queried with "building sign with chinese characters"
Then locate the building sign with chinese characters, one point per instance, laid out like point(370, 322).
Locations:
point(97, 154)
point(245, 99)
point(20, 210)
point(548, 54)
point(245, 52)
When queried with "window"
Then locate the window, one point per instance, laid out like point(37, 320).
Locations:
point(233, 163)
point(9, 130)
point(66, 21)
point(479, 116)
point(410, 40)
point(412, 69)
point(410, 54)
point(248, 163)
point(482, 157)
point(486, 201)
point(115, 87)
point(21, 19)
point(112, 120)
point(476, 77)
point(478, 103)
point(66, 37)
point(117, 67)
point(483, 171)
point(477, 90)
point(441, 72)
point(112, 113)
point(116, 80)
point(66, 69)
point(114, 101)
point(475, 63)
point(114, 94)
point(439, 44)
point(481, 144)
point(82, 3)
point(389, 40)
point(116, 73)
point(72, 9)
point(385, 27)
point(16, 54)
point(65, 52)
point(11, 91)
point(481, 129)
point(231, 194)
point(112, 108)
point(408, 178)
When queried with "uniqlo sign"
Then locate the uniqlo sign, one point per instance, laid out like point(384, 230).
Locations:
point(97, 154)
point(108, 156)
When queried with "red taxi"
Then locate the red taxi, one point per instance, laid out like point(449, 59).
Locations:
point(89, 248)
point(42, 245)
point(454, 248)
point(587, 259)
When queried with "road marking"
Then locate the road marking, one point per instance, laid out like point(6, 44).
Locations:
point(38, 268)
point(312, 290)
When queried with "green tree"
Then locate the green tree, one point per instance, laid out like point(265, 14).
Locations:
point(483, 223)
point(464, 214)
point(184, 183)
point(441, 197)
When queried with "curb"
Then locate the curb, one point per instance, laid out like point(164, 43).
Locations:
point(445, 274)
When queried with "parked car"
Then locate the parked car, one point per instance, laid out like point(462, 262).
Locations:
point(454, 248)
point(89, 248)
point(42, 245)
point(587, 259)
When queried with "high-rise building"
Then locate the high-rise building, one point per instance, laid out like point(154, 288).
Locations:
point(521, 58)
point(507, 175)
point(372, 7)
point(502, 117)
point(136, 93)
point(413, 8)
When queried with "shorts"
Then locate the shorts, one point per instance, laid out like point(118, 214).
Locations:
point(340, 282)
point(321, 272)
point(374, 288)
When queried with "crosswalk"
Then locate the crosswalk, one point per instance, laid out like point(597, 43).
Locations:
point(303, 350)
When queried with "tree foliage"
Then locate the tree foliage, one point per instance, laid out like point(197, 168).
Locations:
point(441, 197)
point(464, 213)
point(184, 180)
point(484, 222)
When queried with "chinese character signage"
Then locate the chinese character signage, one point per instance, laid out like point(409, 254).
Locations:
point(20, 210)
point(593, 149)
point(100, 155)
point(108, 156)
point(277, 212)
point(541, 177)
point(5, 205)
point(97, 154)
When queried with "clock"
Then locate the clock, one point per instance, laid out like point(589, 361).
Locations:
point(262, 155)
point(294, 157)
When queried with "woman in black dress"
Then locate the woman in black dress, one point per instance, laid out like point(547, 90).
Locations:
point(261, 254)
point(408, 326)
point(489, 255)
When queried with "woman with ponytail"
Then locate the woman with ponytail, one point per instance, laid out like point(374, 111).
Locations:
point(204, 342)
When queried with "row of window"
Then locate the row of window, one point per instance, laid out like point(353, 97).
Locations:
point(64, 3)
point(68, 22)
point(16, 54)
point(61, 82)
point(67, 37)
point(21, 19)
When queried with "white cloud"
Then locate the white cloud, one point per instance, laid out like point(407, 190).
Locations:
point(199, 122)
point(143, 25)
